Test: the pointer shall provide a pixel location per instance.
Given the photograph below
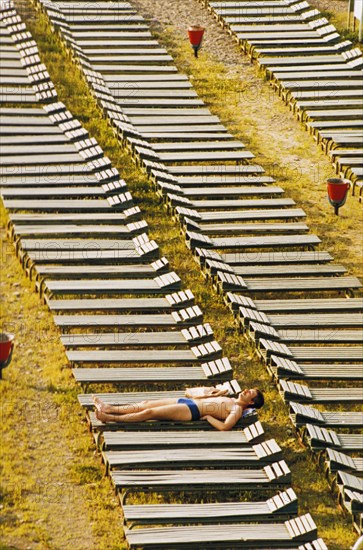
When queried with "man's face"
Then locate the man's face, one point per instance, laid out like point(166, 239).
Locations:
point(247, 396)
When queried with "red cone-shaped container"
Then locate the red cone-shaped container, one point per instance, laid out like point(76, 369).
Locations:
point(195, 35)
point(6, 343)
point(337, 189)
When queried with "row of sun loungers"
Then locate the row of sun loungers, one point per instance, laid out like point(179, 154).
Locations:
point(316, 73)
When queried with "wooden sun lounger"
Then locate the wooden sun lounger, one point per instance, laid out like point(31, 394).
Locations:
point(306, 354)
point(235, 228)
point(25, 96)
point(36, 140)
point(70, 205)
point(332, 60)
point(111, 36)
point(171, 302)
point(263, 16)
point(227, 281)
point(112, 68)
point(128, 94)
point(16, 120)
point(143, 79)
point(21, 180)
point(280, 367)
point(166, 282)
point(339, 305)
point(121, 58)
point(207, 480)
point(165, 129)
point(209, 350)
point(194, 240)
point(95, 255)
point(224, 204)
point(335, 125)
point(66, 148)
point(137, 30)
point(301, 106)
point(180, 338)
point(91, 251)
point(197, 146)
point(352, 501)
point(205, 156)
point(349, 481)
point(304, 394)
point(186, 214)
point(97, 230)
point(222, 180)
point(308, 48)
point(137, 271)
point(79, 243)
point(275, 270)
point(258, 330)
point(321, 438)
point(220, 170)
point(18, 220)
point(297, 321)
point(335, 461)
point(289, 534)
point(294, 39)
point(229, 192)
point(255, 455)
point(206, 133)
point(55, 192)
point(278, 507)
point(300, 415)
point(187, 316)
point(149, 375)
point(346, 114)
point(118, 441)
point(207, 256)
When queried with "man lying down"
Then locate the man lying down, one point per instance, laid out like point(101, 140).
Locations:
point(209, 404)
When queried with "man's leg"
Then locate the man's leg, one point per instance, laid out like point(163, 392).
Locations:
point(131, 407)
point(180, 412)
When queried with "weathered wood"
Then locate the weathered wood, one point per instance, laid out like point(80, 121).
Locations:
point(177, 300)
point(302, 414)
point(285, 368)
point(183, 439)
point(142, 357)
point(321, 438)
point(335, 461)
point(262, 536)
point(304, 394)
point(196, 480)
point(279, 506)
point(246, 457)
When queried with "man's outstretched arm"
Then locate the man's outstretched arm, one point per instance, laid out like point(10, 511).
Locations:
point(229, 422)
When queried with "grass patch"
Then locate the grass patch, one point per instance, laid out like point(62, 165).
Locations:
point(339, 20)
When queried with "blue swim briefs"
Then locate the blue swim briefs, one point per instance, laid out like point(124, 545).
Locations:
point(192, 407)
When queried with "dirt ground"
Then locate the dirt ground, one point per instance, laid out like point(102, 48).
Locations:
point(182, 13)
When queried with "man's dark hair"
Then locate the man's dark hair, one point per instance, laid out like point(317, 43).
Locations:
point(259, 400)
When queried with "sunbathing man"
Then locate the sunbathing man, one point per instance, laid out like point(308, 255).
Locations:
point(220, 411)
